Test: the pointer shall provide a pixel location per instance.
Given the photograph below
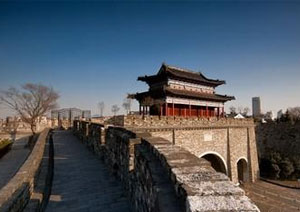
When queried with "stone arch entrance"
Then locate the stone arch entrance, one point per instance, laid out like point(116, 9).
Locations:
point(242, 169)
point(216, 160)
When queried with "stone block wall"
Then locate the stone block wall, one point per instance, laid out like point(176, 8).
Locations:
point(15, 195)
point(136, 121)
point(229, 143)
point(229, 139)
point(147, 121)
point(160, 176)
point(92, 134)
point(195, 182)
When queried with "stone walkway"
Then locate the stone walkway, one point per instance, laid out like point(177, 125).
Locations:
point(13, 160)
point(81, 181)
point(273, 198)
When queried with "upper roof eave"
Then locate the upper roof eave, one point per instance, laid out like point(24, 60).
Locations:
point(179, 73)
point(196, 95)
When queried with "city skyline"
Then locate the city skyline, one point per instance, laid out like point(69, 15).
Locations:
point(92, 52)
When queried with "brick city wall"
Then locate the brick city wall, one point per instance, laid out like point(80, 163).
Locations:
point(15, 195)
point(230, 139)
point(229, 143)
point(137, 121)
point(160, 176)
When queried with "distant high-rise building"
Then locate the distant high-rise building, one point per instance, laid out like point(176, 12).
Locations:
point(256, 106)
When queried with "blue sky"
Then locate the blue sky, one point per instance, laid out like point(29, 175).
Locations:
point(95, 51)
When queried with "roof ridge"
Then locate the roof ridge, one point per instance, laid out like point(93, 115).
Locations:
point(183, 69)
point(199, 73)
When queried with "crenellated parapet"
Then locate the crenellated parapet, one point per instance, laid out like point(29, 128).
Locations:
point(160, 176)
point(195, 182)
point(18, 192)
point(139, 121)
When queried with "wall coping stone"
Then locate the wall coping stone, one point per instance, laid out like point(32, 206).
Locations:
point(10, 193)
point(194, 181)
point(203, 187)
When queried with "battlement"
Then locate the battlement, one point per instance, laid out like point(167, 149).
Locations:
point(160, 176)
point(139, 121)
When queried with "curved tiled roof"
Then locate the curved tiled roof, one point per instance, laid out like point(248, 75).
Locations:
point(167, 71)
point(166, 91)
point(198, 95)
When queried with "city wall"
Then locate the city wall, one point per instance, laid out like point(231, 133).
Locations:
point(16, 194)
point(139, 121)
point(229, 139)
point(161, 176)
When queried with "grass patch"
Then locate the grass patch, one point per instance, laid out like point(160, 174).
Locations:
point(5, 146)
point(4, 143)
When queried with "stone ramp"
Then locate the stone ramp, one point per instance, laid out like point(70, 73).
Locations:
point(81, 181)
point(13, 160)
point(269, 197)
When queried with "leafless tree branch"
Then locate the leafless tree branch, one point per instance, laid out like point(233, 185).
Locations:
point(33, 101)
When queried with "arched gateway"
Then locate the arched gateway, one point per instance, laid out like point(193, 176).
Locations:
point(216, 160)
point(242, 169)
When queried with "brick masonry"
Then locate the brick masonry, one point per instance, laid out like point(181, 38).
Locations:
point(15, 195)
point(148, 166)
point(228, 139)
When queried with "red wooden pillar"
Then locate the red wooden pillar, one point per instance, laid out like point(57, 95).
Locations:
point(173, 111)
point(190, 110)
point(143, 110)
point(206, 111)
point(218, 112)
point(166, 109)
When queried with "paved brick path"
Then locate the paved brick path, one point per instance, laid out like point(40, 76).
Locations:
point(81, 181)
point(273, 198)
point(13, 160)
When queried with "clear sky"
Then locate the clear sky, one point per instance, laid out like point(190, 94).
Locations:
point(95, 51)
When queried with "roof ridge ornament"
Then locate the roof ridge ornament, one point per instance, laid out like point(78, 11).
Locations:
point(182, 69)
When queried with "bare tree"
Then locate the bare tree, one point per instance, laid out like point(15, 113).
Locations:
point(127, 105)
point(269, 115)
point(31, 102)
point(232, 110)
point(294, 113)
point(246, 111)
point(115, 109)
point(101, 107)
point(240, 109)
